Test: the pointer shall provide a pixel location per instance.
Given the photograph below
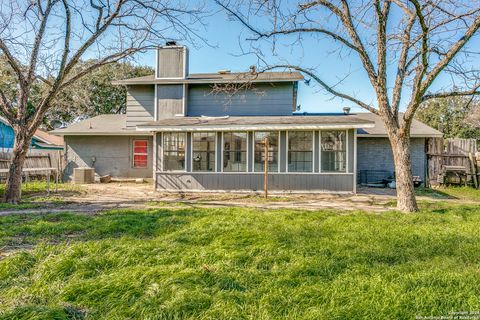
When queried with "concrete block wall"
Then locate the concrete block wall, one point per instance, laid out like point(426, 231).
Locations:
point(376, 154)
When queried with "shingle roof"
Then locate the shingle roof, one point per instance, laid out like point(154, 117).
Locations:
point(254, 123)
point(218, 78)
point(105, 124)
point(418, 129)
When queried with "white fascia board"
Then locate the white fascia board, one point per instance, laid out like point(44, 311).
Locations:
point(130, 133)
point(366, 135)
point(267, 127)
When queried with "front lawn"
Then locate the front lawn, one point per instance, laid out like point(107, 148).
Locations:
point(240, 264)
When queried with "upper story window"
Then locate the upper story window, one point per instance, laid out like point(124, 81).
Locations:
point(140, 153)
point(334, 151)
point(259, 158)
point(174, 151)
point(203, 151)
point(300, 151)
point(234, 151)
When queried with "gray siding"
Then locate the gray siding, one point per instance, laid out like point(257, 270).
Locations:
point(170, 62)
point(140, 104)
point(254, 182)
point(170, 100)
point(265, 100)
point(376, 154)
point(113, 155)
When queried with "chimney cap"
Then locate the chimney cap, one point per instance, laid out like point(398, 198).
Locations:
point(346, 110)
point(171, 43)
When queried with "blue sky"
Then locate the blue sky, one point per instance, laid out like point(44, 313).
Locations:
point(343, 69)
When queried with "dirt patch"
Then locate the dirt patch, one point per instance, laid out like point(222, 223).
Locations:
point(99, 197)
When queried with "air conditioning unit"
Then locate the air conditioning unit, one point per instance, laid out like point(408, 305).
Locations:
point(83, 175)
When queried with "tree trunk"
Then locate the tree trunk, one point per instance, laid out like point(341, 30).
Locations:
point(406, 200)
point(14, 181)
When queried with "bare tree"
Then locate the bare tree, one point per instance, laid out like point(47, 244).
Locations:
point(44, 40)
point(402, 45)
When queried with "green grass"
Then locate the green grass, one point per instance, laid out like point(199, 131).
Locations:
point(34, 194)
point(240, 264)
point(461, 193)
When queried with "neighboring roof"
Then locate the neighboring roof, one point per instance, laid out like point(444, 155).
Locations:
point(105, 124)
point(418, 129)
point(254, 123)
point(47, 138)
point(200, 78)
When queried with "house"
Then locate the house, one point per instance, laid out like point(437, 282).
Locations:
point(206, 132)
point(42, 140)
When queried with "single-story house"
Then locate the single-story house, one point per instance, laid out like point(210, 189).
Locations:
point(42, 140)
point(206, 132)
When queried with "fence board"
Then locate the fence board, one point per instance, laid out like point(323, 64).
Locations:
point(35, 159)
point(448, 152)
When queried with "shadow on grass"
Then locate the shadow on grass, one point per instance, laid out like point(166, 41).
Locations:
point(433, 193)
point(22, 230)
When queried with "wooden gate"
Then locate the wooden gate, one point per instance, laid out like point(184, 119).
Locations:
point(449, 152)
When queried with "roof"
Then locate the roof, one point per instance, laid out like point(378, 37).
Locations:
point(200, 78)
point(48, 139)
point(417, 130)
point(105, 124)
point(243, 123)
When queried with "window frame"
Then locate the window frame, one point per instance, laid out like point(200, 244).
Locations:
point(139, 154)
point(288, 151)
point(214, 151)
point(279, 154)
point(184, 151)
point(346, 153)
point(247, 152)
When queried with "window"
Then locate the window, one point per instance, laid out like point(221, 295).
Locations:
point(140, 153)
point(203, 151)
point(234, 151)
point(300, 151)
point(272, 137)
point(334, 155)
point(173, 151)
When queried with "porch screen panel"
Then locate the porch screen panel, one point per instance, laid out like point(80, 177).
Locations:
point(300, 151)
point(234, 151)
point(259, 157)
point(174, 151)
point(203, 151)
point(334, 151)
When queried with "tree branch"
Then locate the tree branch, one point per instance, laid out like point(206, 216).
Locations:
point(328, 88)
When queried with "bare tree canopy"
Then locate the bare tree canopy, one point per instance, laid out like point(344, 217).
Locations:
point(403, 46)
point(44, 40)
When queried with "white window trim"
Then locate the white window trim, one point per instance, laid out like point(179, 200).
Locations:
point(346, 153)
point(278, 151)
point(191, 152)
point(223, 151)
point(313, 152)
point(163, 153)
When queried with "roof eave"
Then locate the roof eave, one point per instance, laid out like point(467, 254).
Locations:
point(203, 81)
point(229, 127)
point(99, 133)
point(422, 135)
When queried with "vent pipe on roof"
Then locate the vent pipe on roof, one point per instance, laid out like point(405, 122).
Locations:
point(346, 110)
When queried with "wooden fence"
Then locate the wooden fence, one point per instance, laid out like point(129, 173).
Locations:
point(35, 159)
point(450, 152)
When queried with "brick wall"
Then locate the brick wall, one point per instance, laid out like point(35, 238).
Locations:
point(376, 154)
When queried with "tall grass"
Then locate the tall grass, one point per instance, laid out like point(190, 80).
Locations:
point(240, 264)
